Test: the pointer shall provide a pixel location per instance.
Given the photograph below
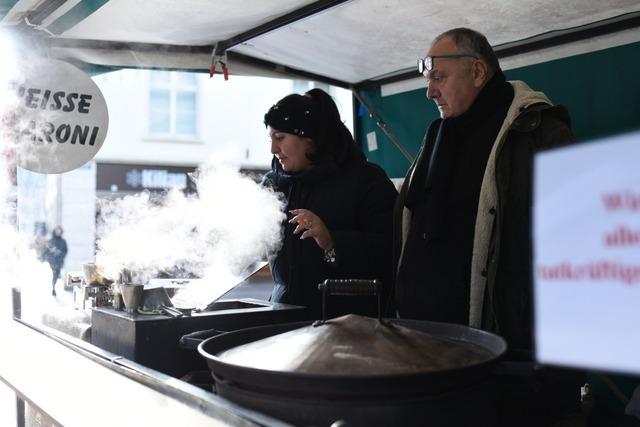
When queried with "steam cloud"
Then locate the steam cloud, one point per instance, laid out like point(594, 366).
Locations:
point(8, 235)
point(18, 263)
point(232, 223)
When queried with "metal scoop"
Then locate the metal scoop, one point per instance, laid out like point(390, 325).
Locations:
point(157, 300)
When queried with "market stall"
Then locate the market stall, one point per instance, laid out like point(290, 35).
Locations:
point(133, 364)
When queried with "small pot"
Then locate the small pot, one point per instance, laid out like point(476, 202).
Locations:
point(118, 303)
point(131, 296)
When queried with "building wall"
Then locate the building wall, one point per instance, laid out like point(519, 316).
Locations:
point(229, 121)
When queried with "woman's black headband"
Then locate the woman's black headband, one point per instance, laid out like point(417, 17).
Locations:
point(293, 114)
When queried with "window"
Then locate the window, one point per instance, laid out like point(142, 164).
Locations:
point(172, 104)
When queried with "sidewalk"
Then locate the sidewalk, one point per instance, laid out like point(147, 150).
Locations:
point(39, 307)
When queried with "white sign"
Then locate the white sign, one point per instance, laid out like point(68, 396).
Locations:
point(586, 231)
point(372, 142)
point(59, 118)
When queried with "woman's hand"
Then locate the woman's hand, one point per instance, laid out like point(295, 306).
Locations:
point(311, 225)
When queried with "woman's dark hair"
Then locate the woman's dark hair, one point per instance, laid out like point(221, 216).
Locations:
point(315, 115)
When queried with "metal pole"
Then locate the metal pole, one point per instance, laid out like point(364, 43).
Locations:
point(279, 22)
point(383, 126)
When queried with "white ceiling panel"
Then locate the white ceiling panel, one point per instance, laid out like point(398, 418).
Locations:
point(184, 22)
point(366, 39)
point(352, 42)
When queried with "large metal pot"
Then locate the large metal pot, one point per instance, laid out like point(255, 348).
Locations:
point(360, 370)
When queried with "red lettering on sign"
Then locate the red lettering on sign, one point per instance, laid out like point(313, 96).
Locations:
point(629, 274)
point(622, 236)
point(621, 201)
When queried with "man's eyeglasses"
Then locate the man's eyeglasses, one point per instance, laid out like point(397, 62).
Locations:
point(426, 64)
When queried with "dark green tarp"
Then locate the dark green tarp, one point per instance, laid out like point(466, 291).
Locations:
point(601, 90)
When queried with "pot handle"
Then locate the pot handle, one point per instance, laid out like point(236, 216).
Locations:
point(349, 287)
point(192, 340)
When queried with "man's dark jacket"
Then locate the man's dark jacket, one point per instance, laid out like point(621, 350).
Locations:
point(500, 284)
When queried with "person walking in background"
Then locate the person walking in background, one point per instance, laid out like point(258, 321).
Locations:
point(54, 254)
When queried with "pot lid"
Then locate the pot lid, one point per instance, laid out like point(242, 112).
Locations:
point(358, 346)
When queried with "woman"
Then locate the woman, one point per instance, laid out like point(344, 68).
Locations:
point(339, 206)
point(55, 252)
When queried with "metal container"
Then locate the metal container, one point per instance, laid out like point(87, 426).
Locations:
point(363, 371)
point(328, 380)
point(118, 303)
point(131, 296)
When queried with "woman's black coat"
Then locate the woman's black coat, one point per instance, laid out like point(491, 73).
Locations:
point(355, 201)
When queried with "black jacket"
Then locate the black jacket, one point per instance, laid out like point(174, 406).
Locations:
point(355, 201)
point(434, 276)
point(501, 278)
point(55, 252)
point(500, 285)
point(508, 303)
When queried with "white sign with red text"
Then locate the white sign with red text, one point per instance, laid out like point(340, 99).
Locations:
point(586, 240)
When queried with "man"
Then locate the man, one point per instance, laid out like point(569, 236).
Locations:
point(462, 222)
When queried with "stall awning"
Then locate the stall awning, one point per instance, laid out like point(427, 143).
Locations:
point(345, 42)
